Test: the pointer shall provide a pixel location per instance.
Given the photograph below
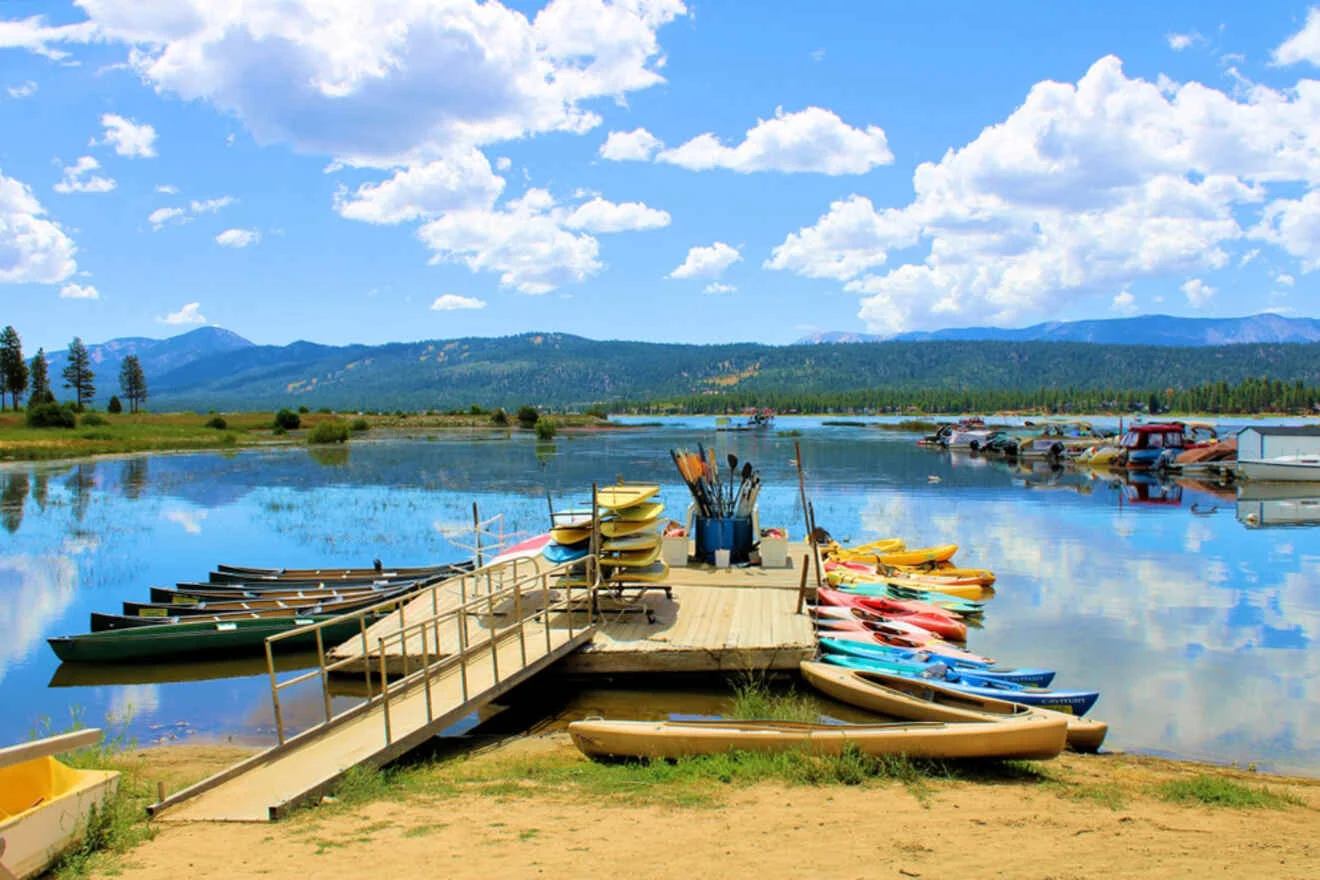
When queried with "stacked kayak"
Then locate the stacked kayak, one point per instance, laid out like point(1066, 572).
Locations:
point(628, 539)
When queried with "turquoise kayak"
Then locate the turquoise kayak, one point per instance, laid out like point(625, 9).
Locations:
point(919, 662)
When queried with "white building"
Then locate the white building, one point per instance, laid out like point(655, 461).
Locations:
point(1283, 452)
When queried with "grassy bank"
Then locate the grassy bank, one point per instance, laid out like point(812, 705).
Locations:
point(168, 432)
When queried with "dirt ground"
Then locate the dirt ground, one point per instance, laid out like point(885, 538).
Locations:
point(1057, 829)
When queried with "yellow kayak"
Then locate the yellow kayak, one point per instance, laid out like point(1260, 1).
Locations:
point(869, 552)
point(617, 528)
point(622, 497)
point(920, 556)
point(632, 558)
point(981, 576)
point(844, 577)
point(645, 510)
point(570, 535)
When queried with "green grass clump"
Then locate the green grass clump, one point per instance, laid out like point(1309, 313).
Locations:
point(217, 423)
point(753, 701)
point(916, 425)
point(93, 420)
point(329, 432)
point(358, 425)
point(1216, 791)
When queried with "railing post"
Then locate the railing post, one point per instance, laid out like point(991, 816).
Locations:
point(476, 532)
point(366, 653)
point(325, 677)
point(461, 621)
point(494, 646)
point(545, 608)
point(426, 671)
point(275, 693)
point(522, 624)
point(385, 692)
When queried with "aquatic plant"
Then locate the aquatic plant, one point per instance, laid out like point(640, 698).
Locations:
point(329, 432)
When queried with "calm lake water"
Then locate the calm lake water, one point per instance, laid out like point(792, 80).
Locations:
point(1192, 611)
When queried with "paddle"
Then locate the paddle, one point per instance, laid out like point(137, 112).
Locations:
point(733, 472)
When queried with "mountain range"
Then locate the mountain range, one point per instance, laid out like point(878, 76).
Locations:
point(1143, 330)
point(212, 368)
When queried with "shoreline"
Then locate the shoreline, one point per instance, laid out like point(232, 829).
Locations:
point(532, 805)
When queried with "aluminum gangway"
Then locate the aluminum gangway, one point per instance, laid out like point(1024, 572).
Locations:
point(490, 629)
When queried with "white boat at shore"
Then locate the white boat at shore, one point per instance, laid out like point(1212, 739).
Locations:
point(1285, 468)
point(1282, 453)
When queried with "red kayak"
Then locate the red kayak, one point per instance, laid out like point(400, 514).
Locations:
point(942, 624)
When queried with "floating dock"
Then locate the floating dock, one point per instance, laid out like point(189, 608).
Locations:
point(703, 619)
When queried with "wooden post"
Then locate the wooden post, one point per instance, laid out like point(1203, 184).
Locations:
point(802, 586)
point(325, 680)
point(275, 694)
point(476, 532)
point(815, 549)
point(160, 791)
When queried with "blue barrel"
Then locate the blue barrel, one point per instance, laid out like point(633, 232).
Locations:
point(732, 533)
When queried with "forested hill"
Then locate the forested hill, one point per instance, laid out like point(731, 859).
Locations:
point(558, 370)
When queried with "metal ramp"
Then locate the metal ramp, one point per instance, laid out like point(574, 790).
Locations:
point(477, 645)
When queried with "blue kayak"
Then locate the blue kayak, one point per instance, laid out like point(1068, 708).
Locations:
point(1069, 702)
point(558, 553)
point(917, 656)
point(919, 665)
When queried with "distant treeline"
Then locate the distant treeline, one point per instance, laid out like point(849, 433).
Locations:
point(1257, 395)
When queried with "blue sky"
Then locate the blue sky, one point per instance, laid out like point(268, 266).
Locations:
point(648, 169)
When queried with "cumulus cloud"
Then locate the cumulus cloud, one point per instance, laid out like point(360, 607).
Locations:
point(162, 217)
point(707, 262)
point(33, 249)
point(384, 84)
point(524, 241)
point(599, 215)
point(452, 302)
point(1083, 189)
point(78, 178)
point(638, 145)
point(22, 90)
point(1283, 279)
point(210, 206)
point(811, 140)
point(716, 287)
point(79, 291)
point(189, 314)
point(1125, 303)
point(503, 163)
point(460, 182)
point(238, 238)
point(1303, 45)
point(168, 189)
point(1198, 292)
point(131, 139)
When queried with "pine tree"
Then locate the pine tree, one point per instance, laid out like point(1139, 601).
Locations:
point(13, 371)
point(78, 373)
point(133, 382)
point(39, 378)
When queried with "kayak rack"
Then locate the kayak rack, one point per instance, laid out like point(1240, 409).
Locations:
point(486, 631)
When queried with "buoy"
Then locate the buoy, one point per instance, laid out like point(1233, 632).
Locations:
point(932, 479)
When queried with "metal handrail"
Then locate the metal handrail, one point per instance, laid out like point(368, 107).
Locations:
point(513, 579)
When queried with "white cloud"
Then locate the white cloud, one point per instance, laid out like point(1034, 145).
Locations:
point(451, 302)
point(599, 215)
point(168, 189)
point(716, 287)
point(503, 163)
point(238, 238)
point(1248, 257)
point(524, 241)
point(22, 90)
point(1284, 279)
point(1178, 42)
point(811, 140)
point(131, 139)
point(189, 314)
point(79, 291)
point(1198, 292)
point(33, 249)
point(707, 262)
point(1303, 45)
point(381, 84)
point(159, 217)
point(78, 178)
point(1125, 303)
point(460, 182)
point(210, 206)
point(34, 35)
point(638, 145)
point(1082, 190)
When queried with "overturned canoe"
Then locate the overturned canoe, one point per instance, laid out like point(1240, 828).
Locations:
point(1032, 736)
point(917, 700)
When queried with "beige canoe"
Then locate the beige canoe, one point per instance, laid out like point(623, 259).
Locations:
point(921, 700)
point(44, 803)
point(1031, 736)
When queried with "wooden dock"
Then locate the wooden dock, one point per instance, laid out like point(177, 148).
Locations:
point(714, 620)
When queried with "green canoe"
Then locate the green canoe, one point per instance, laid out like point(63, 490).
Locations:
point(184, 639)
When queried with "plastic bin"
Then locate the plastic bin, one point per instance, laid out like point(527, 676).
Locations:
point(727, 533)
point(774, 552)
point(674, 550)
